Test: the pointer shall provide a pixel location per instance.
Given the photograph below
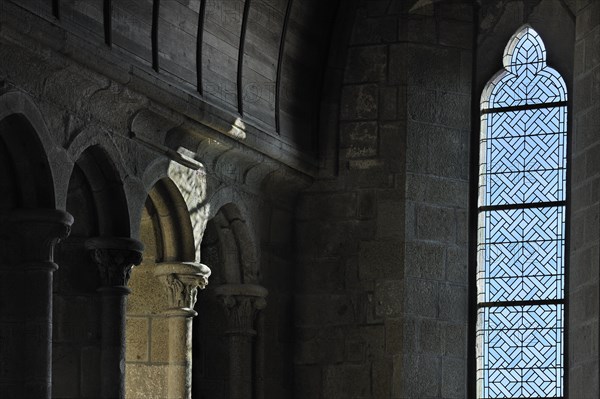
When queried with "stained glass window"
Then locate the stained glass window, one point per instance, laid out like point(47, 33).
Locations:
point(521, 226)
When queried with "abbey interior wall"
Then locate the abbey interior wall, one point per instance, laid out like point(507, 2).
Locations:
point(381, 309)
point(584, 284)
point(367, 272)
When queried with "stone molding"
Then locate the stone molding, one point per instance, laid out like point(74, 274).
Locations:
point(115, 258)
point(182, 281)
point(31, 234)
point(242, 302)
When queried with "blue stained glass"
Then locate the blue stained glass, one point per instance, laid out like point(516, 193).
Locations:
point(522, 351)
point(521, 229)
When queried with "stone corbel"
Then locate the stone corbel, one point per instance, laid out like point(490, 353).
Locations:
point(182, 281)
point(115, 258)
point(242, 303)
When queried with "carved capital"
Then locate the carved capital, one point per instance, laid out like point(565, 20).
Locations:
point(242, 302)
point(29, 235)
point(182, 281)
point(115, 257)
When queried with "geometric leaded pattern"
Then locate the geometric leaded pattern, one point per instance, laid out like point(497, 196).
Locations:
point(522, 360)
point(521, 227)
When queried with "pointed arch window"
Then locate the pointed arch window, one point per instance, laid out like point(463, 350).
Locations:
point(521, 226)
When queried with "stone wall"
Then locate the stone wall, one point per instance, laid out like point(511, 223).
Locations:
point(585, 168)
point(381, 305)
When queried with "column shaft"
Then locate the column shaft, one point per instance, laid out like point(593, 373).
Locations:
point(115, 257)
point(26, 270)
point(182, 281)
point(112, 355)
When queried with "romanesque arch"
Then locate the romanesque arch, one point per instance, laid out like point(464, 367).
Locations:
point(91, 286)
point(160, 310)
point(227, 358)
point(30, 226)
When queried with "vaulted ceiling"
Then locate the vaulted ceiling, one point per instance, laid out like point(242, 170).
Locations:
point(261, 59)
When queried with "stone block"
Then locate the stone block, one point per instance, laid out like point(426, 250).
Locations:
point(583, 304)
point(320, 276)
point(587, 19)
point(455, 109)
point(319, 344)
point(367, 204)
point(421, 297)
point(435, 223)
point(394, 335)
point(392, 149)
point(456, 33)
point(429, 336)
point(380, 260)
point(454, 11)
point(308, 382)
point(359, 102)
point(360, 139)
point(437, 190)
point(417, 147)
point(411, 332)
point(145, 381)
point(366, 64)
point(398, 64)
point(583, 380)
point(422, 376)
point(390, 220)
point(456, 264)
point(367, 30)
point(159, 338)
point(398, 377)
point(389, 298)
point(585, 347)
point(323, 310)
point(424, 260)
point(443, 74)
point(422, 105)
point(368, 173)
point(454, 339)
point(327, 206)
point(583, 267)
point(76, 319)
point(325, 239)
point(466, 71)
point(448, 154)
point(137, 339)
point(579, 59)
point(454, 381)
point(453, 303)
point(462, 227)
point(90, 372)
point(382, 372)
point(142, 283)
point(347, 381)
point(65, 371)
point(388, 104)
point(418, 29)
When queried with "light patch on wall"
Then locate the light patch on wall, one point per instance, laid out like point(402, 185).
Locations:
point(238, 130)
point(193, 187)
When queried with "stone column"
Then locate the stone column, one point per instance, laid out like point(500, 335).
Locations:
point(115, 257)
point(242, 303)
point(182, 281)
point(27, 240)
